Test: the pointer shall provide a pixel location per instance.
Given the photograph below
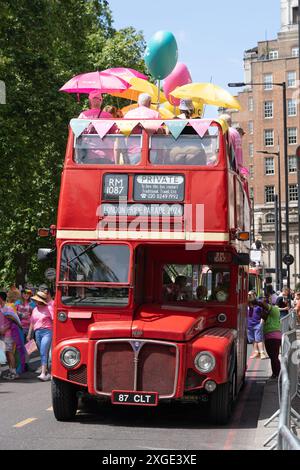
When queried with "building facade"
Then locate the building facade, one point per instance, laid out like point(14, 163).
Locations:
point(261, 117)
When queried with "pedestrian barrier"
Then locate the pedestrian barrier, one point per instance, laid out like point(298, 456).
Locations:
point(287, 440)
point(289, 322)
point(288, 388)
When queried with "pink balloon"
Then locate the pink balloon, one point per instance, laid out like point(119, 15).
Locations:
point(179, 77)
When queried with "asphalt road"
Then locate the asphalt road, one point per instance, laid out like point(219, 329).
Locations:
point(27, 421)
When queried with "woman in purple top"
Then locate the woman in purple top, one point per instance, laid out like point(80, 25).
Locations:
point(255, 327)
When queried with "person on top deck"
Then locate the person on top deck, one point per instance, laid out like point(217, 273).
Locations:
point(235, 142)
point(144, 110)
point(95, 112)
point(186, 109)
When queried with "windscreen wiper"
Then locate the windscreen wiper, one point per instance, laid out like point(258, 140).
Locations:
point(90, 247)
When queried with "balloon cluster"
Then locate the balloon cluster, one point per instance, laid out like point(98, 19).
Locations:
point(161, 58)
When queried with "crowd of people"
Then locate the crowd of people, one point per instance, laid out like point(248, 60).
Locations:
point(264, 322)
point(26, 315)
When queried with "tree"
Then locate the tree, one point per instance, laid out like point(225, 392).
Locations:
point(44, 43)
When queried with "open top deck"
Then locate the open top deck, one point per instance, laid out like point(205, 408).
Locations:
point(166, 181)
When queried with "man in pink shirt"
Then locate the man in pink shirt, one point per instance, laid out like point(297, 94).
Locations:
point(95, 100)
point(144, 110)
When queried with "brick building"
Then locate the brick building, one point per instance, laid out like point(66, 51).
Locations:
point(270, 62)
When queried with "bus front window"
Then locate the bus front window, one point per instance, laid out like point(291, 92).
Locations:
point(113, 149)
point(187, 150)
point(95, 264)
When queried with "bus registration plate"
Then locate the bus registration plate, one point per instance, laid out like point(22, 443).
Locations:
point(121, 397)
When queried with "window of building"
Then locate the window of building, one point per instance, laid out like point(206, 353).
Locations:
point(269, 166)
point(295, 52)
point(250, 104)
point(292, 108)
point(295, 15)
point(268, 81)
point(251, 171)
point(270, 219)
point(251, 150)
point(292, 135)
point(292, 164)
point(269, 193)
point(293, 192)
point(291, 79)
point(251, 193)
point(251, 127)
point(269, 137)
point(273, 55)
point(268, 109)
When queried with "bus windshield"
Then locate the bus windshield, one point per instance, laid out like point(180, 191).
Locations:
point(102, 263)
point(107, 264)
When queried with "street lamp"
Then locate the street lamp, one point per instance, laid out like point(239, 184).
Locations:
point(286, 165)
point(277, 154)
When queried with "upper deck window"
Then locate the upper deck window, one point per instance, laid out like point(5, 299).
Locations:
point(187, 150)
point(113, 149)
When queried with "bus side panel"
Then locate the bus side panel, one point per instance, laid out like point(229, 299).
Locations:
point(210, 189)
point(79, 200)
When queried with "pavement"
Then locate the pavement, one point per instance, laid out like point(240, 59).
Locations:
point(259, 399)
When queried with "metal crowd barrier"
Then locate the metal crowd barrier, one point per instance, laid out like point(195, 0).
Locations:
point(289, 322)
point(287, 440)
point(288, 387)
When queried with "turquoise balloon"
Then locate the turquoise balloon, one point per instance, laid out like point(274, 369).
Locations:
point(161, 54)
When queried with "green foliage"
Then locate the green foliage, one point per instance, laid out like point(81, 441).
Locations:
point(43, 43)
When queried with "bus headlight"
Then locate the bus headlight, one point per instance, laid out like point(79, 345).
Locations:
point(205, 362)
point(70, 357)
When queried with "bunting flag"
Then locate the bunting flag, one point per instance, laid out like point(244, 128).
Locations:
point(200, 126)
point(176, 127)
point(103, 127)
point(78, 126)
point(126, 127)
point(151, 126)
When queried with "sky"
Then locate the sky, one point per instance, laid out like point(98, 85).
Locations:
point(211, 35)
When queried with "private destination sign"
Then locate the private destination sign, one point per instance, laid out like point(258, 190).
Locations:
point(159, 188)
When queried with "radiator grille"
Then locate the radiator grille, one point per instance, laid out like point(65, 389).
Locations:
point(150, 366)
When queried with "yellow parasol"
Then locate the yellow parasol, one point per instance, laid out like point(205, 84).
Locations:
point(208, 93)
point(138, 86)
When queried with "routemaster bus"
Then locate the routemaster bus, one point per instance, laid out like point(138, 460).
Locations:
point(152, 267)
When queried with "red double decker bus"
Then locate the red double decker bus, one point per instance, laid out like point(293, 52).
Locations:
point(152, 267)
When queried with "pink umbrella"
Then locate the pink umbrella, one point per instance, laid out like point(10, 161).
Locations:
point(102, 81)
point(125, 73)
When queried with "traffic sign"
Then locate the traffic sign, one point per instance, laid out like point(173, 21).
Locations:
point(288, 260)
point(50, 274)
